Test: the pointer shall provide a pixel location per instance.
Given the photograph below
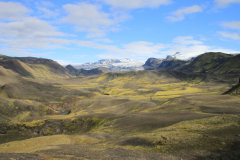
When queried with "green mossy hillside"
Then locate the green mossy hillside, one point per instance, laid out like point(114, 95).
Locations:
point(215, 63)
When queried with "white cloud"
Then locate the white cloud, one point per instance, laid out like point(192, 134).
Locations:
point(12, 11)
point(63, 62)
point(191, 48)
point(186, 40)
point(91, 18)
point(16, 51)
point(232, 25)
point(142, 50)
point(194, 50)
point(24, 32)
point(229, 35)
point(105, 40)
point(134, 4)
point(47, 13)
point(225, 3)
point(47, 4)
point(179, 14)
point(28, 27)
point(37, 42)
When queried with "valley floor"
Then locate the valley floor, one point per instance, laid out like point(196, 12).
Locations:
point(128, 115)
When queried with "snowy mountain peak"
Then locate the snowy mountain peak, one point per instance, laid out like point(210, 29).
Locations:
point(179, 55)
point(108, 61)
point(113, 65)
point(125, 60)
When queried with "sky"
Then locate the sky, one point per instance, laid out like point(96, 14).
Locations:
point(81, 31)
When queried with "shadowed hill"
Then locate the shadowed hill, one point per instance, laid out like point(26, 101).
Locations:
point(234, 90)
point(99, 70)
point(34, 67)
point(152, 76)
point(164, 64)
point(71, 69)
point(152, 63)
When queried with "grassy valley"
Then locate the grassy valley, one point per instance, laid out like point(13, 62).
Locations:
point(151, 114)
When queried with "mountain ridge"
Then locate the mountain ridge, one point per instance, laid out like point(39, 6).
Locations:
point(32, 67)
point(210, 62)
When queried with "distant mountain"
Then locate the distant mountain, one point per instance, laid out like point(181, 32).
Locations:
point(152, 63)
point(71, 69)
point(99, 70)
point(34, 67)
point(170, 63)
point(113, 65)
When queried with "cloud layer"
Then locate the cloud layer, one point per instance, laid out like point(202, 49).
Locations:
point(90, 18)
point(180, 14)
point(234, 25)
point(134, 4)
point(225, 3)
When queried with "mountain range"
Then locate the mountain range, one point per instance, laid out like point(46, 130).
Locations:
point(40, 68)
point(113, 65)
point(211, 62)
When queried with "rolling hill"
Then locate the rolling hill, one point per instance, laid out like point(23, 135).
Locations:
point(38, 68)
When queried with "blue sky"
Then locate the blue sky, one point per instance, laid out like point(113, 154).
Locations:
point(72, 32)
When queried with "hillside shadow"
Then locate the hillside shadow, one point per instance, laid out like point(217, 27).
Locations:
point(231, 152)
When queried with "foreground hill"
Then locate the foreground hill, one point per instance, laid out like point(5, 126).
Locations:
point(22, 99)
point(34, 67)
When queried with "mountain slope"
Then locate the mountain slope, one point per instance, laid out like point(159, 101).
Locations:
point(152, 63)
point(71, 69)
point(34, 67)
point(214, 62)
point(169, 63)
point(211, 62)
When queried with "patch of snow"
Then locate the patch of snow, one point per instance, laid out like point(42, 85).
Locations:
point(180, 56)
